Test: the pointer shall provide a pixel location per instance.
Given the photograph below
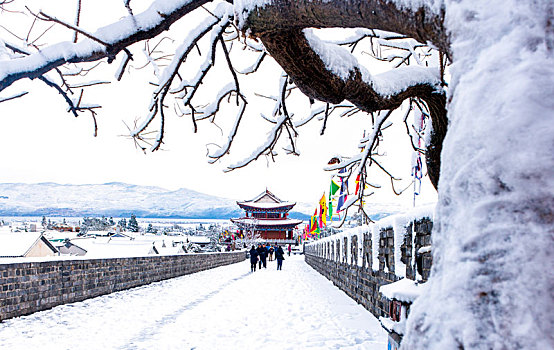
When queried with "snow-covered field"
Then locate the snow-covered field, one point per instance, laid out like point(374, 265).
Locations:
point(224, 308)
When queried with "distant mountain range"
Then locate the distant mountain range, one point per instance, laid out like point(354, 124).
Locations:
point(118, 199)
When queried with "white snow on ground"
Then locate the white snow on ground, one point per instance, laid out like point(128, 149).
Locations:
point(224, 308)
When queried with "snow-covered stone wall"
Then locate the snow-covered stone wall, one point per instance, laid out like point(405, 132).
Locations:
point(34, 286)
point(361, 260)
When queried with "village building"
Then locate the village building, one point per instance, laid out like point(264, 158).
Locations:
point(25, 245)
point(266, 218)
point(66, 247)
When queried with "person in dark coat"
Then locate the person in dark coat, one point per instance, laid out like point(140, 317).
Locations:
point(253, 259)
point(259, 250)
point(264, 256)
point(271, 250)
point(280, 256)
point(262, 252)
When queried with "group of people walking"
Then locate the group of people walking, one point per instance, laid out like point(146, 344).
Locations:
point(258, 256)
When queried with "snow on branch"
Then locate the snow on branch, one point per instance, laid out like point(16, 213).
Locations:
point(341, 63)
point(267, 145)
point(109, 41)
point(282, 121)
point(64, 88)
point(212, 108)
point(254, 66)
point(225, 148)
point(362, 33)
point(12, 97)
point(214, 25)
point(318, 110)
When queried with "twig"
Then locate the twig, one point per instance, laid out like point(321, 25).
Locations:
point(4, 99)
point(77, 20)
point(230, 64)
point(325, 120)
point(50, 83)
point(30, 29)
point(72, 27)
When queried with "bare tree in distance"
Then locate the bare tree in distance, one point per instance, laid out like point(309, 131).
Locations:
point(251, 235)
point(488, 143)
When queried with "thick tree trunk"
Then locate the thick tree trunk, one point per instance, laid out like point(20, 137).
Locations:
point(491, 285)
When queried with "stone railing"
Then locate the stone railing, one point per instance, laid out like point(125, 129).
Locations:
point(361, 260)
point(28, 287)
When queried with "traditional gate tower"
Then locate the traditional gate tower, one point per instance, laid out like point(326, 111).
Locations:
point(267, 216)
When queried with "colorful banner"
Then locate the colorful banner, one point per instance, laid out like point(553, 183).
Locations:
point(323, 211)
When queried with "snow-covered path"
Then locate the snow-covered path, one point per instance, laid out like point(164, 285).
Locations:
point(223, 308)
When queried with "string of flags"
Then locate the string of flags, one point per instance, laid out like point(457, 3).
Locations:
point(231, 235)
point(327, 209)
point(338, 192)
point(331, 205)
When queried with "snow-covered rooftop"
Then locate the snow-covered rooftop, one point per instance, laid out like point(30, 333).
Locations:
point(266, 200)
point(56, 235)
point(266, 197)
point(18, 243)
point(266, 205)
point(268, 222)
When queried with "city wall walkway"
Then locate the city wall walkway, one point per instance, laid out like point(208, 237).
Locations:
point(224, 308)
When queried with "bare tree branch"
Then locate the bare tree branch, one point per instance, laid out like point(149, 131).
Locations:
point(77, 20)
point(35, 65)
point(43, 16)
point(231, 69)
point(20, 94)
point(325, 120)
point(225, 148)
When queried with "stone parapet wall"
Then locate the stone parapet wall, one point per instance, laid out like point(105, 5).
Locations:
point(34, 286)
point(361, 260)
point(360, 284)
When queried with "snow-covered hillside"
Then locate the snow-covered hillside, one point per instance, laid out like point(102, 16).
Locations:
point(115, 199)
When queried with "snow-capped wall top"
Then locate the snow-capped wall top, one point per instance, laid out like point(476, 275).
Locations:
point(405, 290)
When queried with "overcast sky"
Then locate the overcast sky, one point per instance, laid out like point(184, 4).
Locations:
point(41, 142)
